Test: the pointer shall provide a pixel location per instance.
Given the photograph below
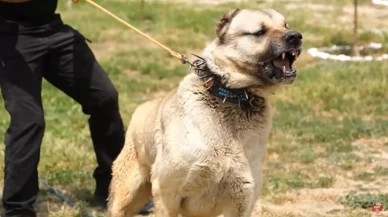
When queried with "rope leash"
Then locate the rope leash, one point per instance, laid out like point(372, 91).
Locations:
point(177, 55)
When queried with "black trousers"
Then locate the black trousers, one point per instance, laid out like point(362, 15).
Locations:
point(60, 54)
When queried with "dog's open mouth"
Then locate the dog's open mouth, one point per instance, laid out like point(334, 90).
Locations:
point(285, 62)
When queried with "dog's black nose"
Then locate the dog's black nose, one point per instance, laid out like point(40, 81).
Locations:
point(293, 38)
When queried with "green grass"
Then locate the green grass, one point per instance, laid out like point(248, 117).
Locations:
point(316, 123)
point(366, 201)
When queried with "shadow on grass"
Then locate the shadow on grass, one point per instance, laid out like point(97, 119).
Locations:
point(48, 204)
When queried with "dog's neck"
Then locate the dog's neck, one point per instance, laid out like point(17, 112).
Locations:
point(214, 84)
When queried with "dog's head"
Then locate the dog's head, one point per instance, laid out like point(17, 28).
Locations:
point(254, 47)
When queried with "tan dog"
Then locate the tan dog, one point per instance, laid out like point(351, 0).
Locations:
point(199, 151)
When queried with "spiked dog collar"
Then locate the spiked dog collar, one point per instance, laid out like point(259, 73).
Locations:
point(213, 83)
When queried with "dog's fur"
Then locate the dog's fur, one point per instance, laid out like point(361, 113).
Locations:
point(194, 154)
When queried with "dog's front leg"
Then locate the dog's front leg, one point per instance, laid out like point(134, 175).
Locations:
point(242, 195)
point(167, 204)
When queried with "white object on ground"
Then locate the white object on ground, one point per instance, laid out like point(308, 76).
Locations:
point(322, 53)
point(380, 2)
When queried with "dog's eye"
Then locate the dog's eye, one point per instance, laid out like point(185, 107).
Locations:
point(259, 33)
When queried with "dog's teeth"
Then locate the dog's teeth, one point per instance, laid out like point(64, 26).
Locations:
point(284, 69)
point(293, 52)
point(283, 55)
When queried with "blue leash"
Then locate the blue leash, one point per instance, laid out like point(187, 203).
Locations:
point(58, 194)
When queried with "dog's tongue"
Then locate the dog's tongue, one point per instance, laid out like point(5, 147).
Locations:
point(283, 64)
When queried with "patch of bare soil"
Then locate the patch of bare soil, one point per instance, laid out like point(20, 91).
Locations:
point(376, 148)
point(325, 202)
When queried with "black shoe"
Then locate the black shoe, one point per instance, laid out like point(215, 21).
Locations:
point(101, 201)
point(101, 193)
point(19, 213)
point(146, 209)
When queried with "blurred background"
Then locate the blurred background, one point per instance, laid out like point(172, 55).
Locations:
point(328, 151)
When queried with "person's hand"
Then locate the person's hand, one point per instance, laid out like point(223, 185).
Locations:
point(15, 1)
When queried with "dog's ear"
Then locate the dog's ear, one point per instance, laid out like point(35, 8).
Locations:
point(223, 23)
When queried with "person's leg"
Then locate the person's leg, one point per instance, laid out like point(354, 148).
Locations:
point(21, 58)
point(72, 68)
